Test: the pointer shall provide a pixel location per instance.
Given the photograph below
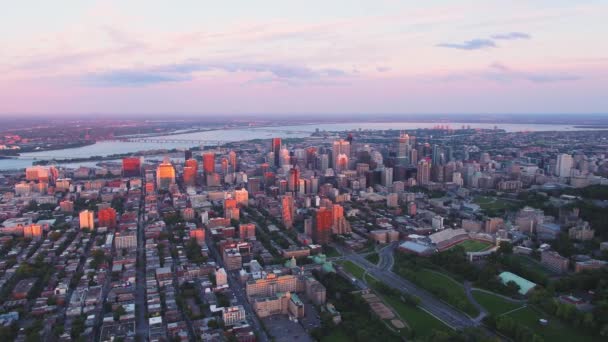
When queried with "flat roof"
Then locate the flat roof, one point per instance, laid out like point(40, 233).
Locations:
point(414, 246)
point(524, 284)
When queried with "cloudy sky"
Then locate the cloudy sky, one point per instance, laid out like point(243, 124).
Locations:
point(282, 56)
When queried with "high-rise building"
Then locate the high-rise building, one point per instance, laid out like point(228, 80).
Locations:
point(413, 156)
point(387, 176)
point(165, 175)
point(437, 155)
point(37, 173)
point(86, 218)
point(209, 162)
point(284, 158)
point(423, 174)
point(32, 231)
point(287, 211)
point(563, 168)
point(191, 163)
point(190, 172)
point(276, 149)
point(233, 161)
point(107, 217)
point(341, 163)
point(230, 208)
point(293, 180)
point(131, 167)
point(403, 145)
point(322, 226)
point(323, 162)
point(224, 164)
point(339, 147)
point(340, 224)
point(242, 197)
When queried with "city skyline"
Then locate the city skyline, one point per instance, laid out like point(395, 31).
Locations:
point(79, 57)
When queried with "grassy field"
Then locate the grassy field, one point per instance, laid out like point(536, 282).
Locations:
point(338, 335)
point(474, 245)
point(445, 288)
point(353, 269)
point(373, 258)
point(555, 331)
point(420, 321)
point(494, 304)
point(493, 204)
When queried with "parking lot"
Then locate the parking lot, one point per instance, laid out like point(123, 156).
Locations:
point(282, 329)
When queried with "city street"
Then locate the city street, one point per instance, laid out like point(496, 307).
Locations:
point(140, 281)
point(239, 291)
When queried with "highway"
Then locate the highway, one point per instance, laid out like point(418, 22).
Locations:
point(428, 302)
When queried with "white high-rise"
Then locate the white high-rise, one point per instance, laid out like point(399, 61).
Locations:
point(387, 176)
point(563, 168)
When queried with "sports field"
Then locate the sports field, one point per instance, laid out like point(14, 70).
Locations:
point(474, 245)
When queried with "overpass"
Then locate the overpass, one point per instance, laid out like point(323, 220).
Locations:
point(39, 157)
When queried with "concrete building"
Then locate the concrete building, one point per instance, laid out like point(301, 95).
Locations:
point(284, 303)
point(423, 174)
point(340, 147)
point(315, 291)
point(591, 264)
point(86, 218)
point(392, 200)
point(165, 175)
point(247, 231)
point(232, 259)
point(563, 167)
point(221, 277)
point(582, 233)
point(125, 241)
point(271, 284)
point(233, 315)
point(554, 261)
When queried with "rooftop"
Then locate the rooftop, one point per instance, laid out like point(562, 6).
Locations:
point(524, 285)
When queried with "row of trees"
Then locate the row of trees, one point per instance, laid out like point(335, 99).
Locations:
point(513, 329)
point(596, 281)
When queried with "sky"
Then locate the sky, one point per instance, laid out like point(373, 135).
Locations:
point(292, 57)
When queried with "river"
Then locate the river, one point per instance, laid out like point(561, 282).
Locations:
point(106, 148)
